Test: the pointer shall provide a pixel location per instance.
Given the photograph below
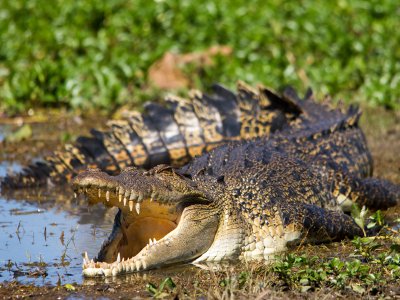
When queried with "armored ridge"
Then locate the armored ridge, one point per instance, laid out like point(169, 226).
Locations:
point(243, 200)
point(172, 134)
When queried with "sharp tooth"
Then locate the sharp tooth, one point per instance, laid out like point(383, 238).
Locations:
point(154, 241)
point(108, 195)
point(83, 264)
point(119, 258)
point(140, 198)
point(75, 195)
point(86, 257)
point(130, 205)
point(133, 196)
point(120, 197)
point(132, 266)
point(99, 193)
point(138, 208)
point(86, 190)
point(124, 201)
point(150, 242)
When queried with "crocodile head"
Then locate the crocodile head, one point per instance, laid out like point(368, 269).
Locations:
point(161, 216)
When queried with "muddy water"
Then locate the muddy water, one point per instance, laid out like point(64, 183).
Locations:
point(42, 237)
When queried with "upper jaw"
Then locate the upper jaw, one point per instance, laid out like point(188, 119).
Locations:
point(135, 185)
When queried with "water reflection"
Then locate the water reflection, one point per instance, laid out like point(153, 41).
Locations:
point(46, 234)
point(9, 168)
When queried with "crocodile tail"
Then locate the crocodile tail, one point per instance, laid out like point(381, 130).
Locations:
point(171, 134)
point(63, 164)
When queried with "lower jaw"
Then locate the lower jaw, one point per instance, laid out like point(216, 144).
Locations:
point(122, 265)
point(120, 255)
point(93, 269)
point(180, 245)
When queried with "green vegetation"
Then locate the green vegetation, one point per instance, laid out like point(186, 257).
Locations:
point(95, 54)
point(158, 292)
point(368, 266)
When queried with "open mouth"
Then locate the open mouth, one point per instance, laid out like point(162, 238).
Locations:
point(153, 226)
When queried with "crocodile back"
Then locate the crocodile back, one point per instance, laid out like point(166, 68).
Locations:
point(171, 134)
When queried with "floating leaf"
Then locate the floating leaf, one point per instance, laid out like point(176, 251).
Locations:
point(69, 287)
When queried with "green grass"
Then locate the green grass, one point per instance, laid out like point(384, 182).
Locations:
point(370, 267)
point(95, 54)
point(359, 272)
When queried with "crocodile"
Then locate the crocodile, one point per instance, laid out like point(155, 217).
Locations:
point(171, 134)
point(244, 200)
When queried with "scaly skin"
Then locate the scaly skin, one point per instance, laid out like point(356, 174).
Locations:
point(173, 134)
point(243, 200)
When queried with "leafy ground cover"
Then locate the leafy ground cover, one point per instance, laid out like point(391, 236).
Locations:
point(96, 54)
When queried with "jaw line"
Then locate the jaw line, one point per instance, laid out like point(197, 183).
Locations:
point(92, 268)
point(180, 245)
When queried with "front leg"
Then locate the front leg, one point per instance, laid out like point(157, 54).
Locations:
point(293, 223)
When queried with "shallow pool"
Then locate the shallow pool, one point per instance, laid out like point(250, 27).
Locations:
point(42, 239)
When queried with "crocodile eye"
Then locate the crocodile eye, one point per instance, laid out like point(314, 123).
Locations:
point(162, 168)
point(129, 169)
